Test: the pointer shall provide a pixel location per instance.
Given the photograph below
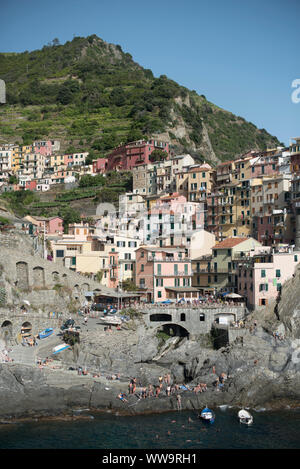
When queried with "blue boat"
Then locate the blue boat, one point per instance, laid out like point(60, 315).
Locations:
point(45, 333)
point(207, 415)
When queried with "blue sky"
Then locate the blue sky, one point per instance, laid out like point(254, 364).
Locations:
point(242, 55)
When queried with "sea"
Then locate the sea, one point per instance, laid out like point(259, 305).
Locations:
point(172, 430)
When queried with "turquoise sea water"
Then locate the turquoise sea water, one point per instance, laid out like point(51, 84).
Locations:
point(270, 430)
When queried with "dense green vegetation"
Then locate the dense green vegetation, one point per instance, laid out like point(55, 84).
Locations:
point(93, 96)
point(94, 189)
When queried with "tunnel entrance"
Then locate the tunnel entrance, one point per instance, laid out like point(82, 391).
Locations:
point(174, 330)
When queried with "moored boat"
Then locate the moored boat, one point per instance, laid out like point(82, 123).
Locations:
point(60, 348)
point(45, 333)
point(110, 320)
point(245, 417)
point(207, 415)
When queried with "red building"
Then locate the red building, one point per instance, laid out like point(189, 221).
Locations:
point(100, 165)
point(30, 185)
point(126, 157)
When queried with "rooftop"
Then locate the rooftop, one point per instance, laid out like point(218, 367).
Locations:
point(229, 243)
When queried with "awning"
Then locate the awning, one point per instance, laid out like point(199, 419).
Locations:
point(89, 293)
point(233, 295)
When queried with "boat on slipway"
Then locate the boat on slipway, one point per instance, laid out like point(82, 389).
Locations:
point(111, 320)
point(245, 417)
point(60, 348)
point(46, 333)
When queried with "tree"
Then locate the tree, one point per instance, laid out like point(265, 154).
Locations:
point(128, 285)
point(158, 155)
point(69, 215)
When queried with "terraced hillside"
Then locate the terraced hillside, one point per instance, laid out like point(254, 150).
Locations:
point(91, 95)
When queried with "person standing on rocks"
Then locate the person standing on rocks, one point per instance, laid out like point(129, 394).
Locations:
point(178, 398)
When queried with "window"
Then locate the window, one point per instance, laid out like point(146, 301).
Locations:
point(142, 267)
point(263, 273)
point(295, 258)
point(159, 294)
point(277, 273)
point(175, 269)
point(59, 253)
point(202, 317)
point(158, 269)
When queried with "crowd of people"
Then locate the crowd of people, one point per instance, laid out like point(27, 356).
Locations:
point(167, 388)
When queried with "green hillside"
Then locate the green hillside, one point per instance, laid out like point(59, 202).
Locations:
point(92, 96)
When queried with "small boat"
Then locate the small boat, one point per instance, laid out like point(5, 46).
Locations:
point(60, 348)
point(45, 333)
point(110, 320)
point(207, 415)
point(245, 417)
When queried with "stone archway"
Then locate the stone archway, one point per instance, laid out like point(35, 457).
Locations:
point(174, 330)
point(38, 277)
point(22, 275)
point(76, 290)
point(6, 331)
point(55, 277)
point(26, 329)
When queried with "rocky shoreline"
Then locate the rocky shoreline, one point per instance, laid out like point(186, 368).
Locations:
point(263, 370)
point(261, 374)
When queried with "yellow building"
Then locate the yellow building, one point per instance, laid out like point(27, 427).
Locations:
point(200, 182)
point(56, 161)
point(234, 211)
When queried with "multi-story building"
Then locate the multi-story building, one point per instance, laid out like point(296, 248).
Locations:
point(270, 197)
point(200, 181)
point(126, 157)
point(100, 165)
point(171, 221)
point(262, 274)
point(218, 271)
point(164, 273)
point(75, 159)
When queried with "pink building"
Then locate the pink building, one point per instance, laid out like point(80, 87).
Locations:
point(126, 157)
point(164, 273)
point(262, 275)
point(100, 165)
point(265, 164)
point(44, 148)
point(52, 225)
